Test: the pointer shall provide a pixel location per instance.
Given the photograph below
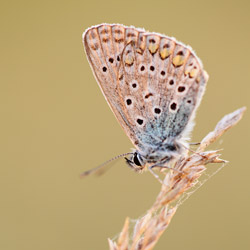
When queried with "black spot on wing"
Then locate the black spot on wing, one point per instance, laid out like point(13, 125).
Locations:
point(180, 120)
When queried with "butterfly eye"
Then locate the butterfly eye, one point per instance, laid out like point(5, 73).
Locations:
point(104, 69)
point(136, 160)
point(163, 73)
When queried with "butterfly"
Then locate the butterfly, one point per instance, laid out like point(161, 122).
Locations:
point(152, 83)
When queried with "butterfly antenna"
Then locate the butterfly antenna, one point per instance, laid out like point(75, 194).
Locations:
point(96, 169)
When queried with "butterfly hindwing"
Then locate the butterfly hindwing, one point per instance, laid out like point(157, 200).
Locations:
point(152, 83)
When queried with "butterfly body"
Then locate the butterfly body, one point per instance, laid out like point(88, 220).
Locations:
point(152, 83)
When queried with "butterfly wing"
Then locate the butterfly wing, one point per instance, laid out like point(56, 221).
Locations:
point(104, 45)
point(152, 83)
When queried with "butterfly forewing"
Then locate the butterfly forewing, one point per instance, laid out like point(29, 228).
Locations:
point(152, 83)
point(104, 45)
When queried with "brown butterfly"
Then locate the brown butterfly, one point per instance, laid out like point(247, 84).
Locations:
point(152, 83)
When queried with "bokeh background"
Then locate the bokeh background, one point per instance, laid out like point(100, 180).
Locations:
point(55, 124)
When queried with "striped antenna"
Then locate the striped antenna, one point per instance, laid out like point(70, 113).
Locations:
point(96, 169)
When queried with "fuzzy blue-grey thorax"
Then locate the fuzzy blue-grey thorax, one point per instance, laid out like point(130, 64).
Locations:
point(159, 154)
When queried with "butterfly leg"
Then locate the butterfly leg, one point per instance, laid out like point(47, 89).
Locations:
point(154, 174)
point(159, 166)
point(194, 143)
point(194, 152)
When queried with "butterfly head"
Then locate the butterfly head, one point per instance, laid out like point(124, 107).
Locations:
point(136, 161)
point(162, 154)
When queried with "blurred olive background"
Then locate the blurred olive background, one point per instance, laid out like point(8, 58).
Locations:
point(55, 124)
